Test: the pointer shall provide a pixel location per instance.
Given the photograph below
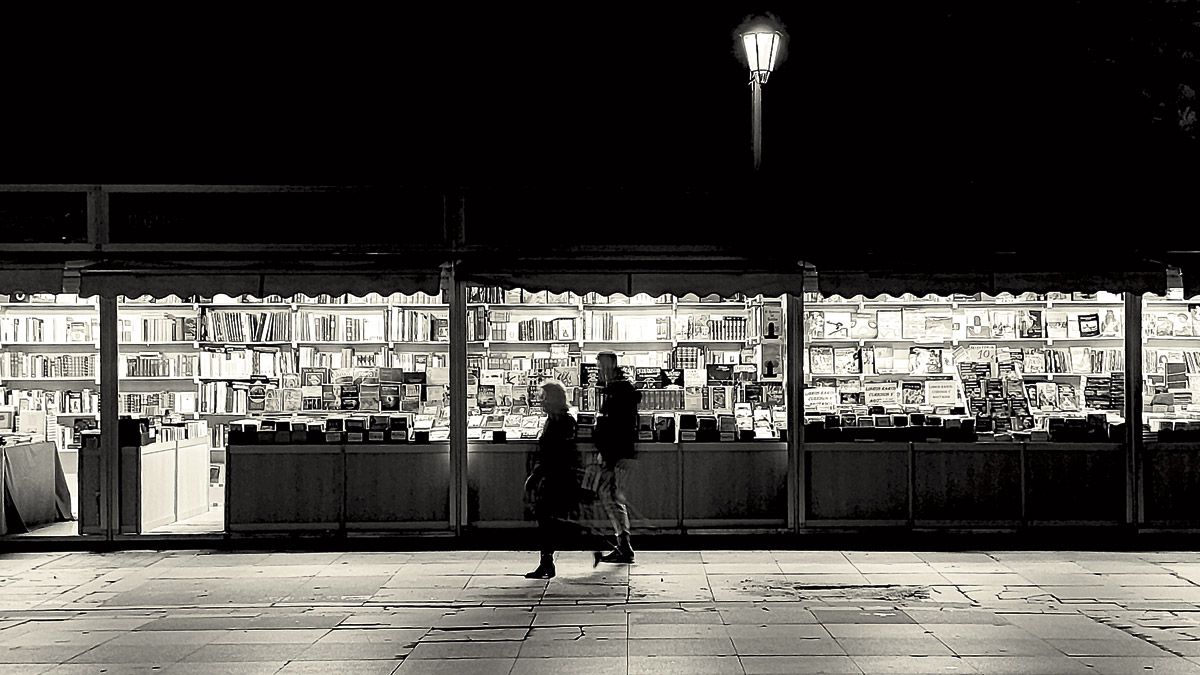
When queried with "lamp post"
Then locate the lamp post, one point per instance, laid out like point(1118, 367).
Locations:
point(762, 44)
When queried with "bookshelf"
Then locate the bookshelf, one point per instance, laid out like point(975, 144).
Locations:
point(1171, 362)
point(517, 339)
point(1009, 363)
point(224, 357)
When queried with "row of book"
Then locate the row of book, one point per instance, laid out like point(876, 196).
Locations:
point(222, 325)
point(1100, 297)
point(156, 364)
point(909, 323)
point(407, 325)
point(1179, 323)
point(611, 327)
point(888, 360)
point(168, 328)
point(331, 327)
point(158, 402)
point(243, 362)
point(705, 327)
point(57, 401)
point(24, 365)
point(50, 328)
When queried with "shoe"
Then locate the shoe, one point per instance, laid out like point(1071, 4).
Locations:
point(623, 554)
point(545, 568)
point(596, 558)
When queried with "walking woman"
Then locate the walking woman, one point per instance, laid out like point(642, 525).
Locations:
point(553, 484)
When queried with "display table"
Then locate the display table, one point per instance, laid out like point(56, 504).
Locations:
point(35, 490)
point(163, 483)
point(1171, 484)
point(923, 484)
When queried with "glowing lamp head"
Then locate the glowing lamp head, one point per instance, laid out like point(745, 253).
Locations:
point(762, 50)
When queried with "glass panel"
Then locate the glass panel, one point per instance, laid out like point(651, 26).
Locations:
point(49, 366)
point(965, 367)
point(296, 382)
point(1171, 365)
point(59, 217)
point(708, 371)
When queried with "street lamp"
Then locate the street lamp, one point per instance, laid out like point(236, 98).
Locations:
point(762, 44)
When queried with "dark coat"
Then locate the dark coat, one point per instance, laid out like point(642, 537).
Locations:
point(554, 480)
point(616, 428)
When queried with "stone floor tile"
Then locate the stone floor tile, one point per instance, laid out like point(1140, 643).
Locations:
point(42, 654)
point(792, 567)
point(921, 579)
point(860, 616)
point(790, 630)
point(673, 617)
point(761, 616)
point(852, 578)
point(956, 616)
point(1126, 646)
point(767, 646)
point(1062, 626)
point(799, 665)
point(677, 630)
point(474, 634)
point(25, 668)
point(373, 635)
point(894, 646)
point(709, 646)
point(581, 618)
point(922, 665)
point(978, 631)
point(461, 650)
point(876, 630)
point(1124, 665)
point(985, 647)
point(767, 567)
point(1028, 665)
point(597, 665)
point(348, 667)
point(107, 669)
point(232, 668)
point(267, 636)
point(352, 651)
point(697, 665)
point(584, 647)
point(456, 667)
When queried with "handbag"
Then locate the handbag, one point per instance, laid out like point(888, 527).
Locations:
point(589, 480)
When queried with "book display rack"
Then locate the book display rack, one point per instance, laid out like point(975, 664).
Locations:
point(966, 367)
point(1171, 366)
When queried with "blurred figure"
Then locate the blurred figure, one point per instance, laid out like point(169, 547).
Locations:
point(616, 440)
point(553, 484)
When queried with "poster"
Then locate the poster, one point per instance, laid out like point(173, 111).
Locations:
point(882, 393)
point(821, 399)
point(941, 392)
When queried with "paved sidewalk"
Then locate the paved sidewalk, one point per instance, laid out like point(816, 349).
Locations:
point(465, 612)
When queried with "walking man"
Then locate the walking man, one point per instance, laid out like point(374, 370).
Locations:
point(616, 440)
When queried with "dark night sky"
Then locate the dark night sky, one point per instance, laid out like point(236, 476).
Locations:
point(986, 106)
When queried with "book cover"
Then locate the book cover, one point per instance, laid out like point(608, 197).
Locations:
point(868, 361)
point(289, 381)
point(772, 322)
point(1003, 325)
point(1029, 324)
point(979, 324)
point(837, 325)
point(821, 360)
point(369, 397)
point(486, 397)
point(863, 326)
point(884, 359)
point(1111, 325)
point(646, 377)
point(939, 324)
point(1047, 395)
point(925, 361)
point(389, 397)
point(1056, 324)
point(256, 397)
point(847, 361)
point(770, 358)
point(912, 393)
point(720, 373)
point(889, 324)
point(272, 401)
point(1068, 398)
point(913, 324)
point(292, 400)
point(814, 325)
point(1089, 325)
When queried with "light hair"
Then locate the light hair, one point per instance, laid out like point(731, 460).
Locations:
point(555, 395)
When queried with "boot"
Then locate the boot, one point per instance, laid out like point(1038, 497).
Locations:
point(622, 555)
point(545, 568)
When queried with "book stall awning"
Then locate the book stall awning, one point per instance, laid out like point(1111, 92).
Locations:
point(237, 279)
point(992, 275)
point(719, 280)
point(1188, 263)
point(25, 278)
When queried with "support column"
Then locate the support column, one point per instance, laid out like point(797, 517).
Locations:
point(1134, 512)
point(109, 443)
point(457, 297)
point(794, 345)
